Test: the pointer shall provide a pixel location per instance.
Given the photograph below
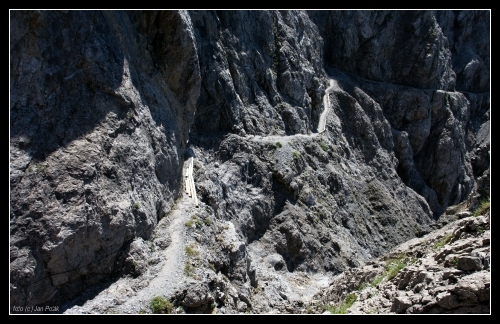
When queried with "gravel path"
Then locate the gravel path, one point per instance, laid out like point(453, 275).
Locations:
point(133, 295)
point(326, 104)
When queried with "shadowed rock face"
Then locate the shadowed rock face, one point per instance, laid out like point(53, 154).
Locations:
point(99, 121)
point(104, 104)
point(401, 47)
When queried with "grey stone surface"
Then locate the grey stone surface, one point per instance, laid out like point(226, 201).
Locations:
point(96, 152)
point(105, 106)
point(422, 286)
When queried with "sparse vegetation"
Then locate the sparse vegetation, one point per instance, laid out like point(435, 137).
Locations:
point(362, 286)
point(296, 154)
point(41, 167)
point(392, 267)
point(160, 305)
point(188, 269)
point(323, 146)
point(137, 206)
point(482, 208)
point(173, 207)
point(191, 251)
point(344, 306)
point(195, 220)
point(278, 144)
point(376, 281)
point(192, 261)
point(443, 241)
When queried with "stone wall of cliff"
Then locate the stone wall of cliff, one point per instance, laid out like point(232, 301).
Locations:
point(99, 119)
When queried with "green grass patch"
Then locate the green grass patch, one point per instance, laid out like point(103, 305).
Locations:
point(160, 305)
point(483, 207)
point(393, 267)
point(443, 241)
point(191, 251)
point(278, 144)
point(344, 306)
point(189, 269)
point(376, 281)
point(362, 286)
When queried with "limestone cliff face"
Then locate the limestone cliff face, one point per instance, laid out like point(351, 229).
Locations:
point(429, 71)
point(99, 117)
point(104, 106)
point(261, 72)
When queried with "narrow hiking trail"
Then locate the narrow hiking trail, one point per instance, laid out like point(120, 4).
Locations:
point(326, 104)
point(171, 273)
point(133, 295)
point(321, 124)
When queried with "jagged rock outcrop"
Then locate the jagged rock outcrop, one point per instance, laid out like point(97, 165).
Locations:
point(445, 272)
point(257, 82)
point(106, 105)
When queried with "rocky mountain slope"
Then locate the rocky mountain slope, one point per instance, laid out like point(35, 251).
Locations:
point(298, 186)
point(444, 272)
